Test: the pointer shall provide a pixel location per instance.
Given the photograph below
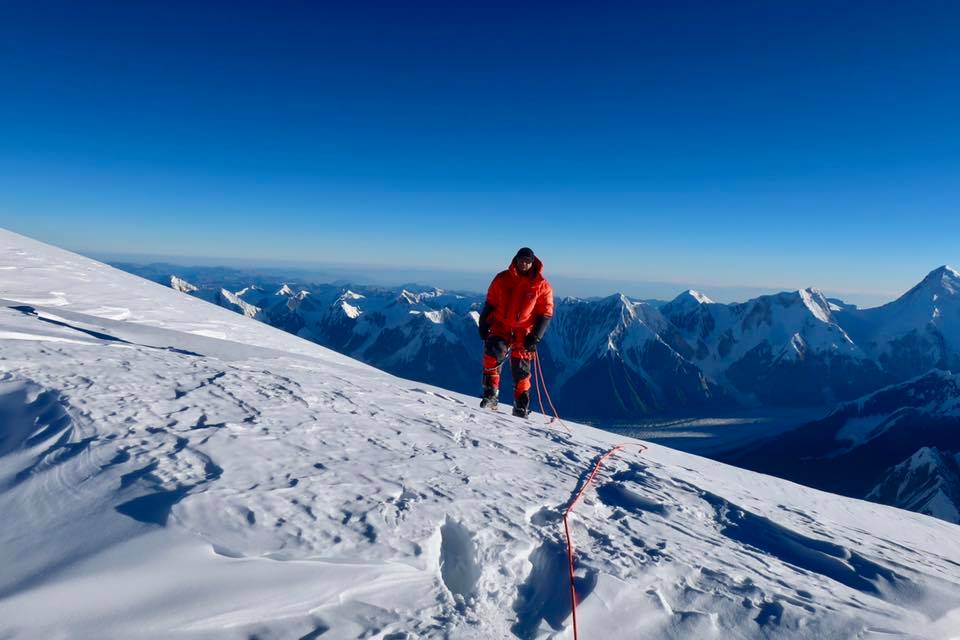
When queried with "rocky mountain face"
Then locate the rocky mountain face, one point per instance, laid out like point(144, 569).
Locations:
point(426, 335)
point(926, 482)
point(897, 446)
point(783, 349)
point(613, 358)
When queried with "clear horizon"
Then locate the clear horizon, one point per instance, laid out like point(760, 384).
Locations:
point(477, 281)
point(724, 147)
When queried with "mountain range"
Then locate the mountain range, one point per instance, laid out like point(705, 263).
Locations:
point(169, 468)
point(898, 446)
point(615, 358)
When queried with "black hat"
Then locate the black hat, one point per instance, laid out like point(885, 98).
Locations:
point(525, 252)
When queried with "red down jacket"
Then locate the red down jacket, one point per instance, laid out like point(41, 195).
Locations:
point(517, 300)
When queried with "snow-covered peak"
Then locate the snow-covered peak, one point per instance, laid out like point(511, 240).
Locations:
point(836, 304)
point(437, 317)
point(285, 290)
point(788, 325)
point(944, 272)
point(408, 297)
point(252, 289)
point(434, 292)
point(242, 306)
point(922, 325)
point(619, 309)
point(816, 303)
point(942, 282)
point(944, 276)
point(616, 301)
point(687, 301)
point(351, 311)
point(696, 296)
point(927, 457)
point(181, 285)
point(926, 482)
point(348, 304)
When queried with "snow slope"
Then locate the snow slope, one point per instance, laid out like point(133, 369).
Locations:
point(169, 469)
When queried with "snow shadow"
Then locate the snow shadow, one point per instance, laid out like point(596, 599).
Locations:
point(458, 559)
point(316, 633)
point(30, 416)
point(35, 419)
point(545, 596)
point(155, 507)
point(99, 335)
point(818, 556)
point(616, 494)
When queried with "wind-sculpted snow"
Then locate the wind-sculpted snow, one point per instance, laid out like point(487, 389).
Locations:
point(36, 429)
point(157, 482)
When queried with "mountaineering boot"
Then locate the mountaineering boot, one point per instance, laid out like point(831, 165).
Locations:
point(489, 400)
point(521, 404)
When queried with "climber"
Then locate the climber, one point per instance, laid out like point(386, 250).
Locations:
point(515, 316)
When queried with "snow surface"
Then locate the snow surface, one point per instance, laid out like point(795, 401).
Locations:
point(159, 483)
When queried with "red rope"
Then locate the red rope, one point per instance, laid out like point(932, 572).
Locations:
point(566, 529)
point(537, 380)
point(539, 369)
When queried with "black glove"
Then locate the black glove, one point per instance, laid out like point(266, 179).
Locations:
point(536, 335)
point(482, 325)
point(530, 342)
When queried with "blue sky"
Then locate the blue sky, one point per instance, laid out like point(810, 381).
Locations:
point(726, 145)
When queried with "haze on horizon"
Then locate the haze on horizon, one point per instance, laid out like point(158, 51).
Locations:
point(464, 281)
point(730, 148)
